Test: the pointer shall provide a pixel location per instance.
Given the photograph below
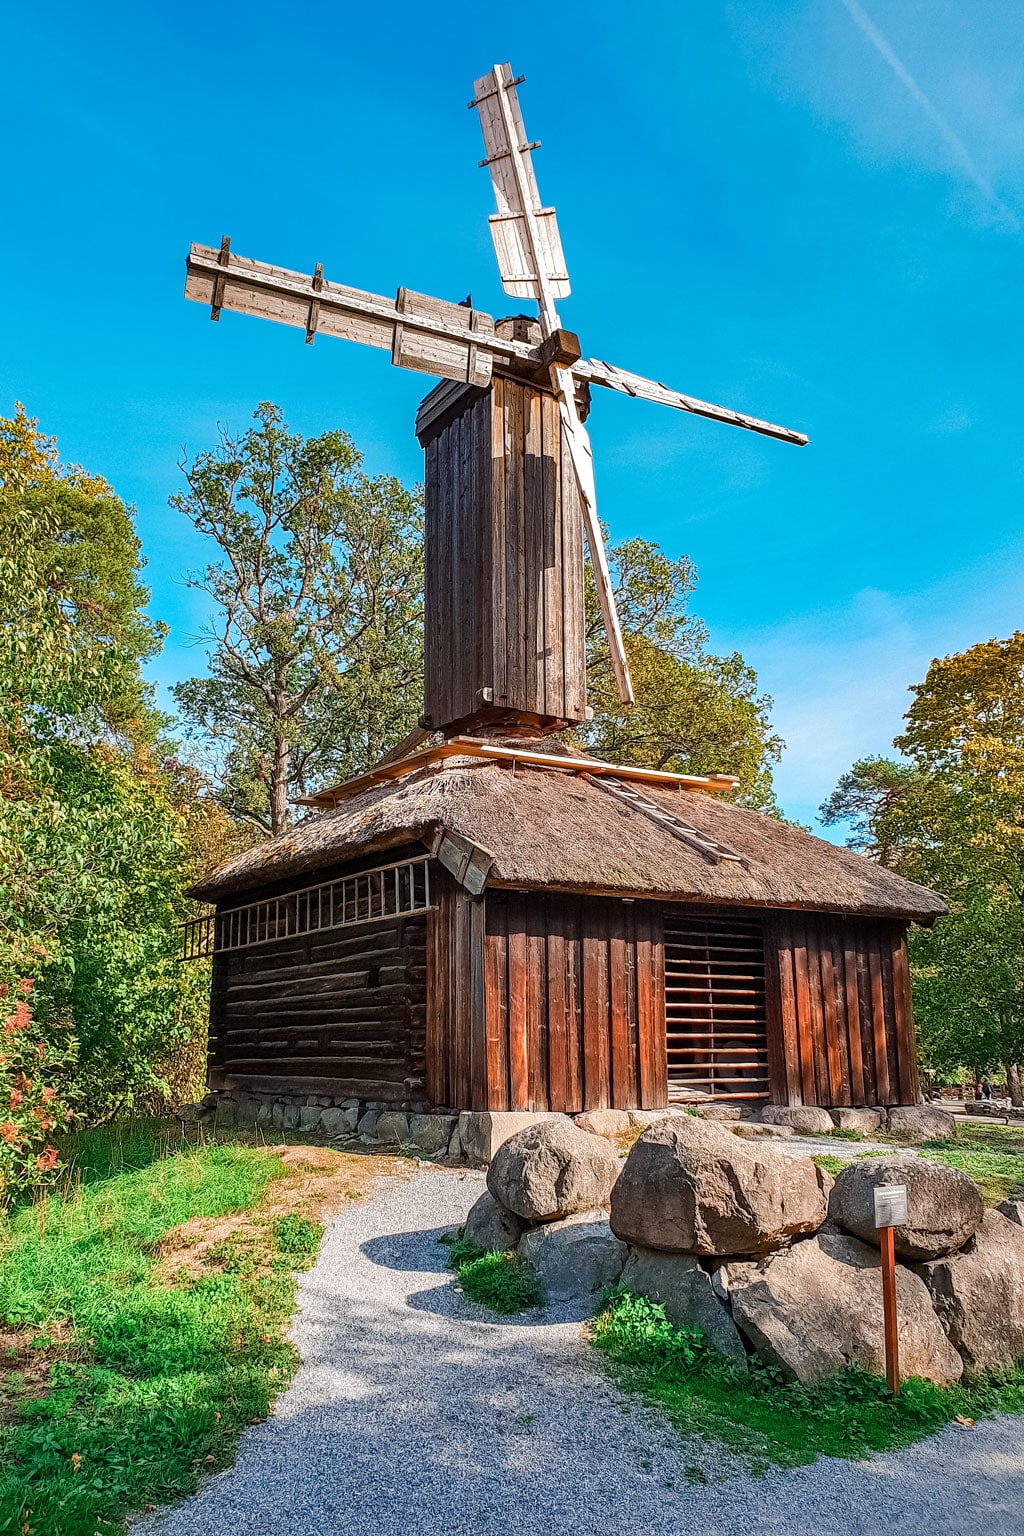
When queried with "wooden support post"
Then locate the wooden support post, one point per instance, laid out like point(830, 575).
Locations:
point(892, 1343)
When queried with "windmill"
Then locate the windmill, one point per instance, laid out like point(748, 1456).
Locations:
point(510, 476)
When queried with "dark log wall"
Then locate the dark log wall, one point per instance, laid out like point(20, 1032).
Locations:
point(342, 1013)
point(840, 1021)
point(504, 578)
point(540, 1001)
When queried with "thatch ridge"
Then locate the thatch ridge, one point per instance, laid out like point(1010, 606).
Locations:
point(549, 828)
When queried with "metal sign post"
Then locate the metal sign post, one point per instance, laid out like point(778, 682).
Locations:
point(890, 1212)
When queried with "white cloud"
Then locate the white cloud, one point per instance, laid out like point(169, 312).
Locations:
point(961, 154)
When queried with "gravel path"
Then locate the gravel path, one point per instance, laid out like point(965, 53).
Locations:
point(416, 1413)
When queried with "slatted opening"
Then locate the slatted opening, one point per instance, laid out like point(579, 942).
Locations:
point(715, 1004)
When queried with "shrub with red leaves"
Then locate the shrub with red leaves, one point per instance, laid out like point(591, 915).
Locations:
point(34, 1065)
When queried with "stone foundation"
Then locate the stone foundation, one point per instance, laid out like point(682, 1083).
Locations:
point(473, 1136)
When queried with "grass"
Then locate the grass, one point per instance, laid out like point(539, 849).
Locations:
point(764, 1419)
point(502, 1282)
point(141, 1316)
point(992, 1155)
point(999, 1174)
point(831, 1164)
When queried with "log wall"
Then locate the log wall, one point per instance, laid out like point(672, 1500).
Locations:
point(840, 1020)
point(541, 1001)
point(340, 1013)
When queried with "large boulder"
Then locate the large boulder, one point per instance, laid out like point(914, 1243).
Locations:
point(915, 1123)
point(804, 1119)
point(553, 1169)
point(979, 1295)
point(684, 1290)
point(576, 1258)
point(491, 1227)
point(816, 1308)
point(689, 1186)
point(944, 1206)
point(866, 1122)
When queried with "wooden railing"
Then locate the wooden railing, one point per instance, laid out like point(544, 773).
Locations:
point(390, 890)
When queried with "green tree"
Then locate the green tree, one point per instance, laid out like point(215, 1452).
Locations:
point(951, 815)
point(316, 642)
point(871, 798)
point(99, 834)
point(695, 712)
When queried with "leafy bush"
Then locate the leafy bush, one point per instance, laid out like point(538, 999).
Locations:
point(763, 1417)
point(34, 1067)
point(501, 1281)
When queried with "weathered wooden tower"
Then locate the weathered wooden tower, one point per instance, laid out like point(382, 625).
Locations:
point(505, 642)
point(475, 923)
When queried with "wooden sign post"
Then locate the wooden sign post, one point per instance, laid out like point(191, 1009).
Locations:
point(890, 1212)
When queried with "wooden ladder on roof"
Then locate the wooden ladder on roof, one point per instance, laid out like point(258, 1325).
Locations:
point(701, 842)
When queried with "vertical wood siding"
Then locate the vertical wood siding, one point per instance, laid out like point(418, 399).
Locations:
point(557, 1002)
point(840, 1021)
point(504, 581)
point(340, 1012)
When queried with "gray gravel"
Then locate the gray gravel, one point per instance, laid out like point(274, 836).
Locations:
point(414, 1412)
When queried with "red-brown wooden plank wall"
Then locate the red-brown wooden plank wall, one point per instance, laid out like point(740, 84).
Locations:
point(543, 1001)
point(840, 1023)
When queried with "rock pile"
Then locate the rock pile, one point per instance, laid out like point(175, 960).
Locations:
point(548, 1189)
point(760, 1249)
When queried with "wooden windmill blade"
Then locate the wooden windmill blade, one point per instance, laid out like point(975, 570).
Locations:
point(529, 251)
point(526, 255)
point(425, 334)
point(595, 372)
point(578, 438)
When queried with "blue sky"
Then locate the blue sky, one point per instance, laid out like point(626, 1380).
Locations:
point(807, 209)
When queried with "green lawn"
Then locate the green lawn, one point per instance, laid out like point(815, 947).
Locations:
point(760, 1417)
point(129, 1362)
point(993, 1156)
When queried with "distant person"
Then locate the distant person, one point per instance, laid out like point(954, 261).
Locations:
point(979, 1093)
point(986, 1088)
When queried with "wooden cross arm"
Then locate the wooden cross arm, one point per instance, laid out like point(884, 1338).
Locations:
point(606, 374)
point(425, 334)
point(422, 333)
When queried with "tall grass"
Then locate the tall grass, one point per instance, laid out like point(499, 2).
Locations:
point(145, 1383)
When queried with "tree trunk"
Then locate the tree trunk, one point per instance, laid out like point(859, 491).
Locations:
point(1013, 1084)
point(279, 769)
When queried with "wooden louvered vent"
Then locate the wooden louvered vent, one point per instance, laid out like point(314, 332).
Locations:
point(715, 1005)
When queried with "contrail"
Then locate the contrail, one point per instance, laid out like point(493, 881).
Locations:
point(956, 145)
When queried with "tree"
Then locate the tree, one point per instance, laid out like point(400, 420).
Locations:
point(868, 798)
point(951, 816)
point(694, 712)
point(100, 832)
point(316, 665)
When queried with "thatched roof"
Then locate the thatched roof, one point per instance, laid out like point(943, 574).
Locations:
point(543, 827)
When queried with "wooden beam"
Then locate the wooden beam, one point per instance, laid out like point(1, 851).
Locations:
point(606, 374)
point(425, 334)
point(469, 746)
point(452, 342)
